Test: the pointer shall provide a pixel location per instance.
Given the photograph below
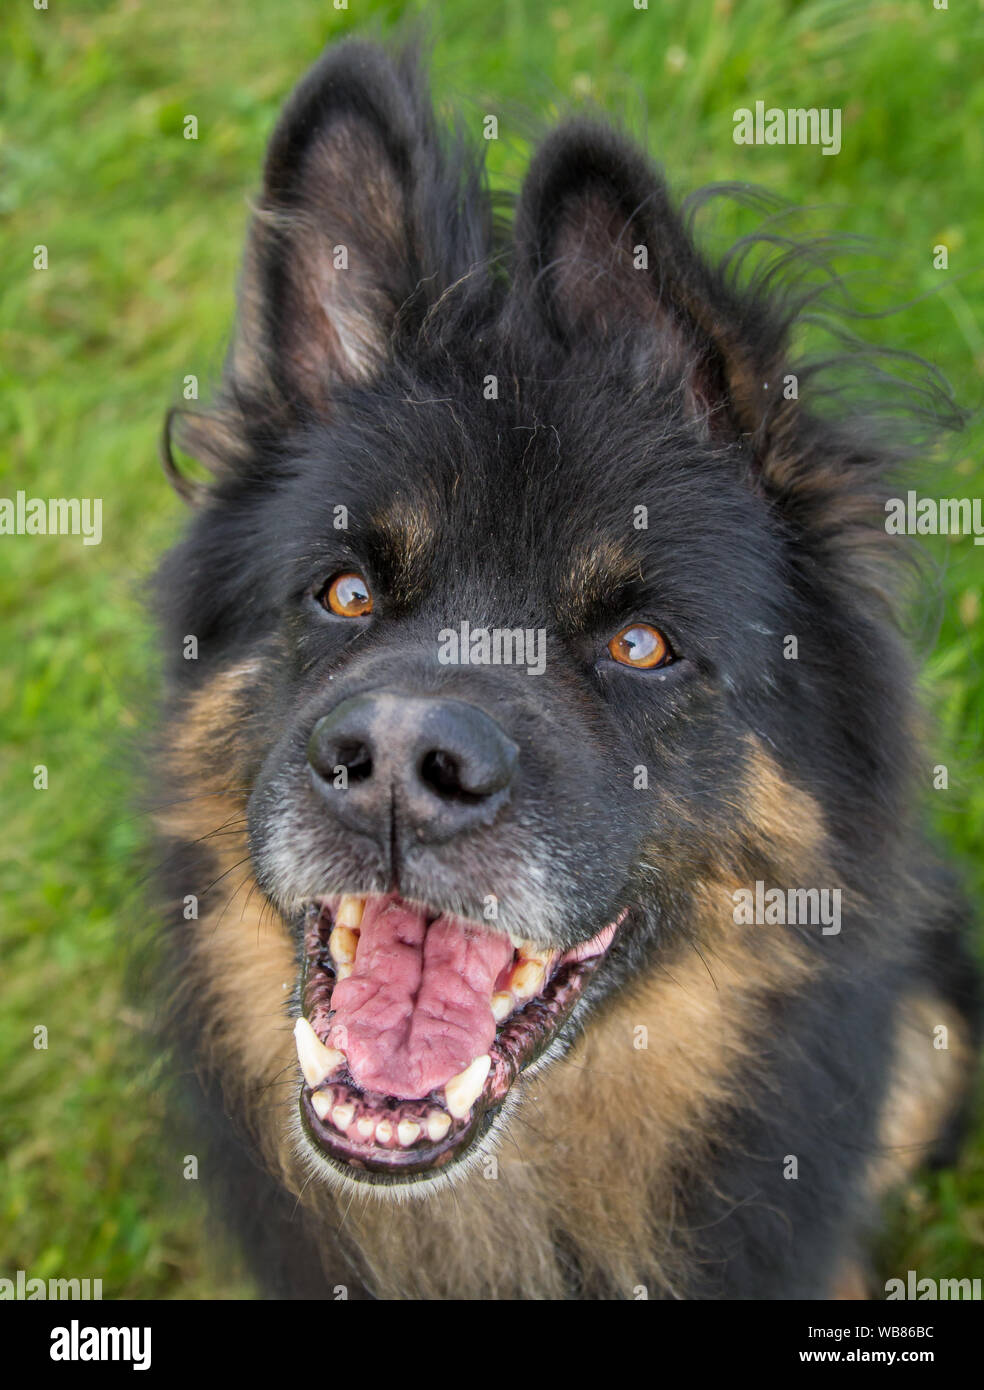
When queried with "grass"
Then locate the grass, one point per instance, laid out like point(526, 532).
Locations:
point(143, 230)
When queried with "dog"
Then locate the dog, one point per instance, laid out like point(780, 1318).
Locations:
point(538, 785)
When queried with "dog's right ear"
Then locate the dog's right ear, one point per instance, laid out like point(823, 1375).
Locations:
point(365, 218)
point(333, 251)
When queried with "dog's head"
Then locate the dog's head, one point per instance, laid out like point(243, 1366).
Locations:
point(534, 564)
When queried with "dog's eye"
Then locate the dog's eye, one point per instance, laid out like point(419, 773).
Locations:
point(347, 595)
point(640, 645)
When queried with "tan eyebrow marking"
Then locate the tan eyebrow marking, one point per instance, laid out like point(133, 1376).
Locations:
point(406, 537)
point(596, 573)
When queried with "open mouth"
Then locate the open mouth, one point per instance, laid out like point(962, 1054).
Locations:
point(415, 1025)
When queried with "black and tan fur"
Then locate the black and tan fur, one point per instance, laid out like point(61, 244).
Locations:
point(652, 1155)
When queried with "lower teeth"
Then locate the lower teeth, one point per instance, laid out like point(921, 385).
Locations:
point(343, 1106)
point(462, 1091)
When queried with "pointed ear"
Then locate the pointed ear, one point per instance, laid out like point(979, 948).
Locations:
point(603, 255)
point(364, 219)
point(332, 253)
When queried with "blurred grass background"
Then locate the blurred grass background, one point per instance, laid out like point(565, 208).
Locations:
point(143, 230)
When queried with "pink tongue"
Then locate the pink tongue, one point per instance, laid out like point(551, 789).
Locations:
point(416, 1009)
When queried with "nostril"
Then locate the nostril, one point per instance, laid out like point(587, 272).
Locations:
point(441, 771)
point(356, 758)
point(341, 744)
point(445, 764)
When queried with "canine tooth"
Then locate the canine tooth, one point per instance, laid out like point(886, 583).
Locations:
point(342, 972)
point(317, 1062)
point(350, 910)
point(321, 1100)
point(502, 1005)
point(527, 979)
point(343, 1115)
point(438, 1124)
point(407, 1131)
point(342, 944)
point(365, 1127)
point(529, 950)
point(462, 1091)
point(384, 1132)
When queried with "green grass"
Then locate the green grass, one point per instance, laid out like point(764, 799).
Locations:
point(143, 230)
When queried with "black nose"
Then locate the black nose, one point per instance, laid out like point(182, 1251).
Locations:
point(429, 767)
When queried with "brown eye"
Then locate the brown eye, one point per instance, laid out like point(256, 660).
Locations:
point(347, 595)
point(641, 646)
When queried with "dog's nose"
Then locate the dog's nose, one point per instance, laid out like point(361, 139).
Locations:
point(423, 766)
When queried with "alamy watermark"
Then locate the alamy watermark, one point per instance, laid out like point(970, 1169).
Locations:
point(80, 1343)
point(798, 125)
point(496, 646)
point(21, 515)
point(24, 1288)
point(788, 907)
point(929, 516)
point(932, 1289)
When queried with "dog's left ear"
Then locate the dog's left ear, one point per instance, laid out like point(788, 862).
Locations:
point(602, 255)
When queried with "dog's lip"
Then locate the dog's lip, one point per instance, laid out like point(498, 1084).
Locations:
point(377, 1138)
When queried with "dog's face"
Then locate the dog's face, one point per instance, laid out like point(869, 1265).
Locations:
point(503, 819)
point(511, 565)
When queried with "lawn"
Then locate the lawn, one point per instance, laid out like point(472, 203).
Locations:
point(143, 228)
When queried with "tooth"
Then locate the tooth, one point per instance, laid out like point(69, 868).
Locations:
point(321, 1100)
point(407, 1131)
point(342, 944)
point(527, 949)
point(342, 972)
point(527, 979)
point(365, 1126)
point(350, 910)
point(317, 1062)
point(384, 1132)
point(343, 1115)
point(502, 1005)
point(462, 1091)
point(438, 1124)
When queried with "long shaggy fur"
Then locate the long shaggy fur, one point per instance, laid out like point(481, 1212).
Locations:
point(651, 1150)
